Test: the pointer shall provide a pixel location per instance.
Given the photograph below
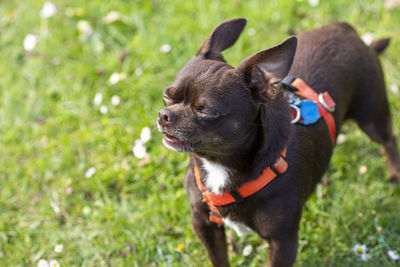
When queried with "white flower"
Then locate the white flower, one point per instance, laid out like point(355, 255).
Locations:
point(59, 248)
point(247, 250)
point(55, 207)
point(393, 255)
point(86, 210)
point(103, 110)
point(363, 169)
point(116, 77)
point(165, 48)
point(139, 150)
point(145, 135)
point(84, 27)
point(54, 263)
point(367, 38)
point(394, 88)
point(138, 71)
point(48, 10)
point(313, 3)
point(340, 139)
point(111, 17)
point(251, 31)
point(98, 98)
point(364, 257)
point(30, 41)
point(360, 248)
point(90, 172)
point(115, 100)
point(43, 263)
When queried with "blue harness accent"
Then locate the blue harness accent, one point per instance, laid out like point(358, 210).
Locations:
point(308, 110)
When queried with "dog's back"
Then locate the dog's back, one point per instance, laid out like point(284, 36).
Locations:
point(333, 58)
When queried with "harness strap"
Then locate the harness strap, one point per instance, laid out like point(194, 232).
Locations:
point(325, 103)
point(246, 190)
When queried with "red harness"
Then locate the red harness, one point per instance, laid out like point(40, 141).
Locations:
point(246, 190)
point(325, 106)
point(325, 103)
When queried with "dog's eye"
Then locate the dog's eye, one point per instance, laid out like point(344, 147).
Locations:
point(205, 113)
point(167, 99)
point(166, 96)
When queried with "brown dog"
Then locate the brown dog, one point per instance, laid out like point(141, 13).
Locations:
point(235, 122)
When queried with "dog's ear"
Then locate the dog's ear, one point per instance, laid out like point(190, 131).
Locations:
point(222, 37)
point(264, 69)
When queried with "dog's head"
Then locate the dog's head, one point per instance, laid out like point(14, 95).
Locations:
point(214, 109)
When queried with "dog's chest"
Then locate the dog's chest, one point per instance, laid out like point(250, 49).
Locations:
point(215, 180)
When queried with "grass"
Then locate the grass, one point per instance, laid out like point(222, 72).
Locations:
point(133, 212)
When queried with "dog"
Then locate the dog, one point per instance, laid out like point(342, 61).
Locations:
point(236, 125)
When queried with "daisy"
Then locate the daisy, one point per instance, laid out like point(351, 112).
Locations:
point(103, 110)
point(139, 150)
point(54, 263)
point(393, 255)
point(364, 257)
point(48, 10)
point(111, 17)
point(145, 135)
point(86, 210)
point(116, 77)
point(43, 263)
point(165, 48)
point(30, 41)
point(367, 38)
point(247, 250)
point(394, 88)
point(59, 248)
point(115, 100)
point(98, 98)
point(84, 27)
point(89, 173)
point(340, 139)
point(313, 3)
point(363, 169)
point(360, 248)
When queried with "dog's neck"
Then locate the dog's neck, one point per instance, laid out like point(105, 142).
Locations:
point(226, 173)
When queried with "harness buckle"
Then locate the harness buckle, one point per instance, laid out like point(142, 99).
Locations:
point(298, 114)
point(287, 83)
point(326, 101)
point(280, 166)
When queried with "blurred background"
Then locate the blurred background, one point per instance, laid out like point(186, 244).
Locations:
point(84, 178)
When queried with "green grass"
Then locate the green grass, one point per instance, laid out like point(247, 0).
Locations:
point(51, 133)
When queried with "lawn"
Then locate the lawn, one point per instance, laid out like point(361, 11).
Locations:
point(76, 94)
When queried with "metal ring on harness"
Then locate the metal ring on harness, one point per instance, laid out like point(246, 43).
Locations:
point(298, 114)
point(323, 103)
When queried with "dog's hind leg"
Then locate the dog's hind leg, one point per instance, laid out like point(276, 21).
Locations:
point(375, 120)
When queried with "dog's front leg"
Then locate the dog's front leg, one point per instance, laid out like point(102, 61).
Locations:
point(282, 252)
point(212, 236)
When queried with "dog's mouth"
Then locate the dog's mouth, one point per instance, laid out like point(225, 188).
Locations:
point(176, 144)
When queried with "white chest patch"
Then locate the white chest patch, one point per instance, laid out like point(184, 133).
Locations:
point(239, 228)
point(216, 178)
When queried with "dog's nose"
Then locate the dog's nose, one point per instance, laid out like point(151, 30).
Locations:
point(166, 117)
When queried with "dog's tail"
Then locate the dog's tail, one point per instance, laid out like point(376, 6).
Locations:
point(380, 45)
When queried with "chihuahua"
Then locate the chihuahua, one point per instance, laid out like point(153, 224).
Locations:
point(235, 123)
